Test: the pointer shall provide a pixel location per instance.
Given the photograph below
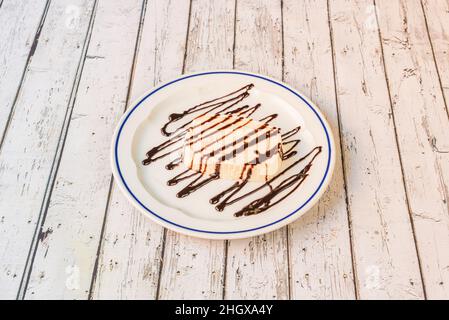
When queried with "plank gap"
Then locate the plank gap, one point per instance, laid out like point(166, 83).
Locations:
point(57, 158)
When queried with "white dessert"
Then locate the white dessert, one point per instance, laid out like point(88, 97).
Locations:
point(233, 147)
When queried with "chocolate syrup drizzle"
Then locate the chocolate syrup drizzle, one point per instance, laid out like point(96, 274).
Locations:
point(227, 106)
point(227, 102)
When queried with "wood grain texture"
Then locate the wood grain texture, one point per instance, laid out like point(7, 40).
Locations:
point(194, 268)
point(31, 140)
point(319, 244)
point(257, 267)
point(385, 256)
point(20, 23)
point(423, 131)
point(437, 19)
point(378, 69)
point(131, 253)
point(69, 238)
point(211, 35)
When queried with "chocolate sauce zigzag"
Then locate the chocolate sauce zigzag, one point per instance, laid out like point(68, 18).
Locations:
point(172, 141)
point(234, 98)
point(226, 103)
point(264, 203)
point(152, 154)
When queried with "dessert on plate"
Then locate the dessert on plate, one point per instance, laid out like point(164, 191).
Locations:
point(235, 147)
point(226, 142)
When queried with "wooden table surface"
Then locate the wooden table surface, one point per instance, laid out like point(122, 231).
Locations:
point(378, 70)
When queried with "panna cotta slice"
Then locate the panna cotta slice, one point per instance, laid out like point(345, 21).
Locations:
point(233, 147)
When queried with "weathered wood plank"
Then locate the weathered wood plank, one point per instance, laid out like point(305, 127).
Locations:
point(20, 23)
point(319, 244)
point(130, 256)
point(386, 263)
point(31, 141)
point(70, 235)
point(437, 18)
point(194, 268)
point(257, 267)
point(423, 130)
point(211, 35)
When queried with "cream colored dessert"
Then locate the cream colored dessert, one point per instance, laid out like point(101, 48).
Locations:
point(233, 147)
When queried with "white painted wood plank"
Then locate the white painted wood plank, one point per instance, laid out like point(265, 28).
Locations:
point(385, 256)
point(319, 244)
point(19, 23)
point(437, 14)
point(131, 252)
point(194, 268)
point(257, 268)
point(423, 130)
point(211, 35)
point(29, 147)
point(70, 235)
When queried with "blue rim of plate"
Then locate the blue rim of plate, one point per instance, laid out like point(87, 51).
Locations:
point(222, 72)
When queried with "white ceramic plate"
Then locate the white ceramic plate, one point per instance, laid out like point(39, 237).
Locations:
point(146, 186)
